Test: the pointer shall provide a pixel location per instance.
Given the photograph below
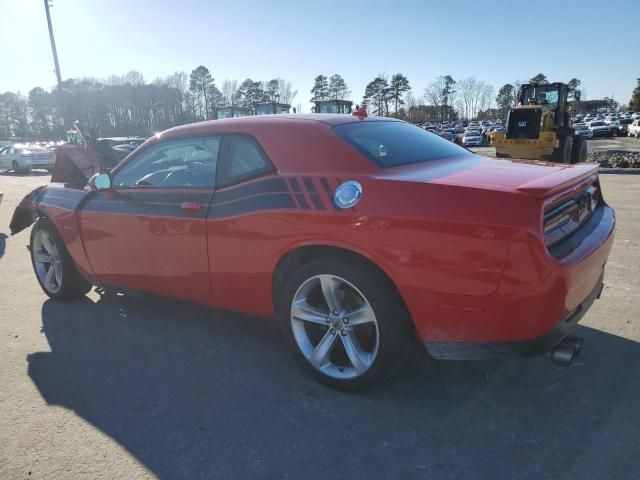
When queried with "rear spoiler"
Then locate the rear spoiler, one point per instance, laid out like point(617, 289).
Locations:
point(559, 181)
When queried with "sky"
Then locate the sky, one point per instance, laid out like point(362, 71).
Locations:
point(496, 42)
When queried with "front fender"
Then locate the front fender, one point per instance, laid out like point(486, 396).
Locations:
point(25, 213)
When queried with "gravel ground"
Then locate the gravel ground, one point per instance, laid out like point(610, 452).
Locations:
point(118, 388)
point(609, 152)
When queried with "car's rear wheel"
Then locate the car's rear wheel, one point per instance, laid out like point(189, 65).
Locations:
point(54, 269)
point(345, 322)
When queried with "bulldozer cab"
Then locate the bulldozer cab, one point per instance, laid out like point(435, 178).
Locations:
point(551, 95)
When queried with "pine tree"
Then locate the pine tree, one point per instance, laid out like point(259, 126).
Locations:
point(634, 103)
point(320, 89)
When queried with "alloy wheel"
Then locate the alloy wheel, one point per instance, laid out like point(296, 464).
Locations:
point(335, 326)
point(48, 264)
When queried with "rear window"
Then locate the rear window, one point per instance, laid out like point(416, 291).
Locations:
point(390, 144)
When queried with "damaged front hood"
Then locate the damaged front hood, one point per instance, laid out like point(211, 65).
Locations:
point(25, 214)
point(76, 164)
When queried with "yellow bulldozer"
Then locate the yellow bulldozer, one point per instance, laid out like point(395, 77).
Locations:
point(539, 127)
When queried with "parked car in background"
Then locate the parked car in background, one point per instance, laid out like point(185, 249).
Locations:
point(599, 128)
point(623, 126)
point(448, 134)
point(614, 125)
point(472, 138)
point(218, 211)
point(23, 158)
point(633, 129)
point(583, 130)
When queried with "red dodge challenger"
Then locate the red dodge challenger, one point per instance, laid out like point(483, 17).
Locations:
point(359, 234)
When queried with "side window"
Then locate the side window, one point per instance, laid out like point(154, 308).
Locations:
point(242, 158)
point(188, 162)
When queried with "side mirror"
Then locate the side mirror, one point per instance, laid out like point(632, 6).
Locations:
point(100, 182)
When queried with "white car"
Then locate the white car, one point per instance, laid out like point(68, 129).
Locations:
point(23, 158)
point(582, 130)
point(472, 137)
point(633, 130)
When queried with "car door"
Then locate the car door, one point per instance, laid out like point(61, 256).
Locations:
point(148, 232)
point(238, 234)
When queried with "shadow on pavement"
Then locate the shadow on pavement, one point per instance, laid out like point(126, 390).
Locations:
point(3, 243)
point(194, 393)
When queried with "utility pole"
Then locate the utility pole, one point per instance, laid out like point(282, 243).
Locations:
point(53, 45)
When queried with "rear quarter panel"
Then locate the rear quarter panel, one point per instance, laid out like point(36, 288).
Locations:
point(428, 238)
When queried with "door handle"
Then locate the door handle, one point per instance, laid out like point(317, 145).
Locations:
point(190, 207)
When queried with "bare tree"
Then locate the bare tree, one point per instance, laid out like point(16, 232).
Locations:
point(486, 97)
point(229, 90)
point(286, 91)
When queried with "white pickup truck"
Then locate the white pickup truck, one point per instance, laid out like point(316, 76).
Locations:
point(633, 130)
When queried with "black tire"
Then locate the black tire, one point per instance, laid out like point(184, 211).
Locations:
point(502, 155)
point(396, 334)
point(579, 152)
point(563, 152)
point(72, 285)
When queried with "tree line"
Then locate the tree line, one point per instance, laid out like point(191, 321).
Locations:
point(127, 105)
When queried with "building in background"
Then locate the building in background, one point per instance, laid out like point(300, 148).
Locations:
point(333, 106)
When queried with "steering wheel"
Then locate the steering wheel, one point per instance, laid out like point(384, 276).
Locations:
point(179, 178)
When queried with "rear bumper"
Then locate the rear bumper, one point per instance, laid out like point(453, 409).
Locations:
point(539, 299)
point(523, 348)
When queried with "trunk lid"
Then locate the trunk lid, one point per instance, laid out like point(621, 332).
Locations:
point(530, 177)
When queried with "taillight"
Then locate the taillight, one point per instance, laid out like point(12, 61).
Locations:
point(564, 218)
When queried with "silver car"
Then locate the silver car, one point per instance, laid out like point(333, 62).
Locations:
point(472, 137)
point(23, 158)
point(582, 130)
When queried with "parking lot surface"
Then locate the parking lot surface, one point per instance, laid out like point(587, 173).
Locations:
point(117, 387)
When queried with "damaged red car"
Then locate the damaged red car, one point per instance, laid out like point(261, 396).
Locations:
point(358, 234)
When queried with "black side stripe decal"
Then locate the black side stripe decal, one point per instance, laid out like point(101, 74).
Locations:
point(295, 186)
point(325, 185)
point(153, 210)
point(308, 183)
point(271, 185)
point(315, 198)
point(253, 204)
point(331, 202)
point(302, 201)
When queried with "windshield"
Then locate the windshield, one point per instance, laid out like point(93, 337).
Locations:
point(540, 95)
point(390, 144)
point(597, 124)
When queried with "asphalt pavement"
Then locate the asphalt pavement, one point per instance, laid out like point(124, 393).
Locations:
point(116, 387)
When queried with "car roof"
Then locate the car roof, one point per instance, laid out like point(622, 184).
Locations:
point(297, 143)
point(276, 119)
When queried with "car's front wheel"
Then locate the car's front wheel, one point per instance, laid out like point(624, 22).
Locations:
point(54, 269)
point(345, 322)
